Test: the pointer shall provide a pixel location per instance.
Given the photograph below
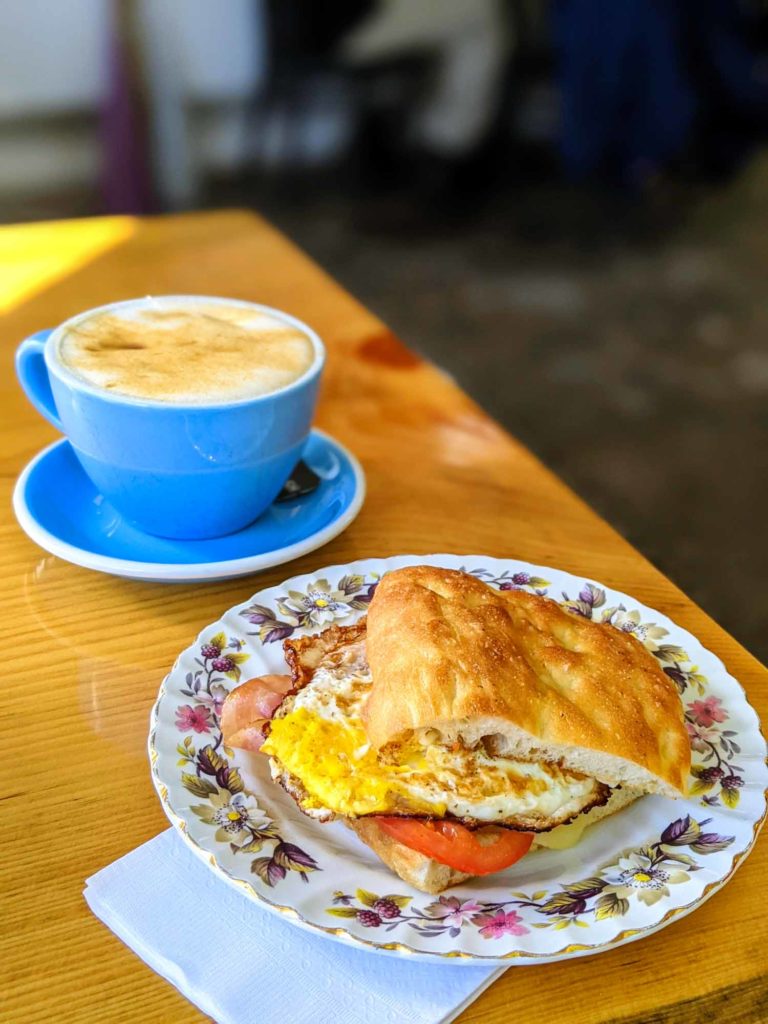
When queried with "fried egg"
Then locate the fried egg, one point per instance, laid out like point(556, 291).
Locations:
point(320, 740)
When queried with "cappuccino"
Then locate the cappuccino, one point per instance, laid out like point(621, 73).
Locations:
point(195, 352)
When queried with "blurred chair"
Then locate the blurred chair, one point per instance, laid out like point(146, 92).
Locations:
point(469, 45)
point(51, 84)
point(193, 67)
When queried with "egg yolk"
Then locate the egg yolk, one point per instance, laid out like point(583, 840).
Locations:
point(336, 765)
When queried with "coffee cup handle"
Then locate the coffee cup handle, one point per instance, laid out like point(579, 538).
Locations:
point(33, 376)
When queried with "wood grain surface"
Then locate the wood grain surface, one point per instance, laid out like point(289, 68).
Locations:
point(84, 653)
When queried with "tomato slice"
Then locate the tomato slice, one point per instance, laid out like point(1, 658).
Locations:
point(480, 852)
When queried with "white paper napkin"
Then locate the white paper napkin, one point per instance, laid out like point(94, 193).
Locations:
point(241, 964)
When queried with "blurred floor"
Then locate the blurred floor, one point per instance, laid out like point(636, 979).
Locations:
point(629, 351)
point(637, 370)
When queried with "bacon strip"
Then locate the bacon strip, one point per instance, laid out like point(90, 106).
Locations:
point(249, 707)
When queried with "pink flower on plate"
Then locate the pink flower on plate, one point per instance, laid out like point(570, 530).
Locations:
point(452, 910)
point(700, 737)
point(197, 718)
point(706, 712)
point(499, 924)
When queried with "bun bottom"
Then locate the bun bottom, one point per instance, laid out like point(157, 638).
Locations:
point(431, 876)
point(415, 868)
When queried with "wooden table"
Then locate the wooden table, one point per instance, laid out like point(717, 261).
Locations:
point(84, 653)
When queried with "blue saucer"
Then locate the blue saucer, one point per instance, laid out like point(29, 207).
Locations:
point(59, 508)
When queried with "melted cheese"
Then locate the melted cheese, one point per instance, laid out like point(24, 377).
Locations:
point(564, 836)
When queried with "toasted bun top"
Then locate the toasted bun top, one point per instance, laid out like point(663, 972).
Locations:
point(450, 653)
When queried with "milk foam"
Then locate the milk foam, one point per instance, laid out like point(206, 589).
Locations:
point(196, 352)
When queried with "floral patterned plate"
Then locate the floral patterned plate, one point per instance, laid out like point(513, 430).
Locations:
point(629, 875)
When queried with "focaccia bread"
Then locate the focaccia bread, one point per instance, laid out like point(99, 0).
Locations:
point(449, 653)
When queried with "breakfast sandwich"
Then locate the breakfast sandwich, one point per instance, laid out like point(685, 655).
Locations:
point(457, 723)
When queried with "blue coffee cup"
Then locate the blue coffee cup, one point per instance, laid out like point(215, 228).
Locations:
point(182, 471)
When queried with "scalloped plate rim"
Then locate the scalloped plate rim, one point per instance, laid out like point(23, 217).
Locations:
point(403, 949)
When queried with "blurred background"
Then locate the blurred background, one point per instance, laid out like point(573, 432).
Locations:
point(564, 203)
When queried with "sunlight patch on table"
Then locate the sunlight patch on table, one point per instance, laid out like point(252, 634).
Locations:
point(34, 256)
